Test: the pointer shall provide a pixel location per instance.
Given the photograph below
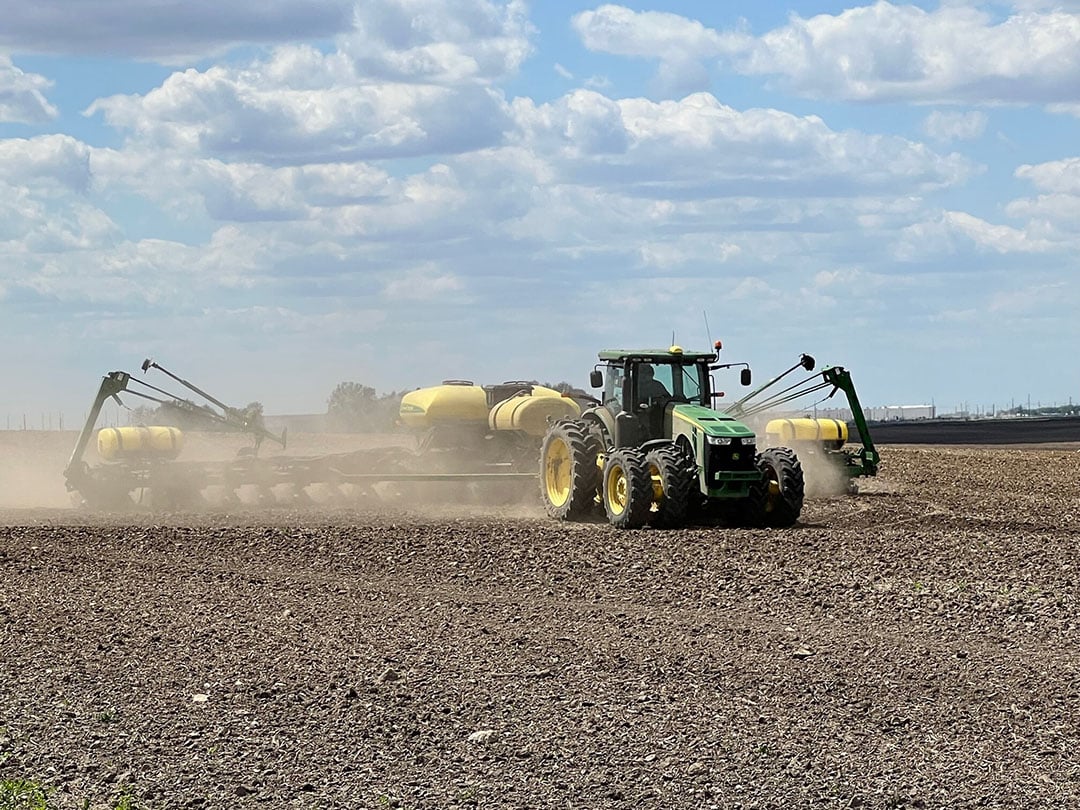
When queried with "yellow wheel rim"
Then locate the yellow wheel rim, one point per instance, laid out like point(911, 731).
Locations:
point(657, 484)
point(557, 472)
point(616, 489)
point(773, 496)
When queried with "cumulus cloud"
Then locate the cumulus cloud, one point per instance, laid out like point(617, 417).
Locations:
point(682, 45)
point(436, 41)
point(955, 231)
point(651, 34)
point(28, 223)
point(167, 30)
point(699, 147)
point(22, 100)
point(239, 191)
point(45, 161)
point(402, 40)
point(301, 106)
point(1055, 212)
point(1054, 176)
point(881, 52)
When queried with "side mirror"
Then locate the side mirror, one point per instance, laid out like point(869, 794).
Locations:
point(744, 376)
point(807, 362)
point(596, 378)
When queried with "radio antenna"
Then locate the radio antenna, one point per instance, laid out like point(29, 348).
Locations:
point(708, 331)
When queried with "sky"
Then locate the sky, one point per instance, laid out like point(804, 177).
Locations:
point(270, 197)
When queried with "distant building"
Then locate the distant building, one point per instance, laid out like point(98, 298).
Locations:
point(901, 413)
point(883, 413)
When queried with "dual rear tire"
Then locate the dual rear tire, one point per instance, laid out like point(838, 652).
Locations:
point(633, 488)
point(569, 476)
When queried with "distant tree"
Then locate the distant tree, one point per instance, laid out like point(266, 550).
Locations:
point(142, 415)
point(354, 407)
point(562, 387)
point(252, 413)
point(583, 398)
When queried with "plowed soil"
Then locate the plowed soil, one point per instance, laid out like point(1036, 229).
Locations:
point(915, 645)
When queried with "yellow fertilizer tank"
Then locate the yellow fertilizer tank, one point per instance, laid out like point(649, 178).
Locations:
point(154, 442)
point(453, 402)
point(830, 432)
point(530, 413)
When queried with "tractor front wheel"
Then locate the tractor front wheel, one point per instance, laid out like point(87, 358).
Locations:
point(778, 500)
point(627, 491)
point(568, 471)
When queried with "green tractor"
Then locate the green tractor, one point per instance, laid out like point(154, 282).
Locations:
point(654, 450)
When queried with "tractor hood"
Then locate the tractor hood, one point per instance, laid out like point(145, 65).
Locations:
point(708, 421)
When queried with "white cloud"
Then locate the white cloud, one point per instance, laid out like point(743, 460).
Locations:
point(436, 41)
point(46, 161)
point(1052, 216)
point(1055, 176)
point(673, 253)
point(304, 107)
point(167, 30)
point(700, 147)
point(956, 231)
point(22, 99)
point(242, 192)
point(955, 126)
point(30, 224)
point(650, 34)
point(956, 53)
point(679, 43)
point(1064, 109)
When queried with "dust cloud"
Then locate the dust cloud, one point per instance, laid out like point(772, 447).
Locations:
point(824, 477)
point(32, 465)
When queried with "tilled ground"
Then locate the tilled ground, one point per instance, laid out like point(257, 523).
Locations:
point(914, 646)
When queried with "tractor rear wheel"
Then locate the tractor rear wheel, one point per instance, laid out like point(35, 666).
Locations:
point(778, 500)
point(671, 472)
point(627, 490)
point(569, 477)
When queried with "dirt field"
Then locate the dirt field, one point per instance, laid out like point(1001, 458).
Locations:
point(912, 646)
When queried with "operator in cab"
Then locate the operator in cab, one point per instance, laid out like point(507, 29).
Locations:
point(650, 389)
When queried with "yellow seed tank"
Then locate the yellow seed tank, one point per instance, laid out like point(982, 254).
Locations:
point(156, 442)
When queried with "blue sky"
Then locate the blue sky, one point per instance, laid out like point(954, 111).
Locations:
point(273, 197)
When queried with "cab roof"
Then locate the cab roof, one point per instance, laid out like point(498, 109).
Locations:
point(675, 354)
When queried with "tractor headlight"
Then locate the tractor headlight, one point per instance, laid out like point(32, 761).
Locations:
point(749, 440)
point(719, 440)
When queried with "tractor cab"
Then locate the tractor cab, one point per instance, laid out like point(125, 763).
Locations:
point(642, 386)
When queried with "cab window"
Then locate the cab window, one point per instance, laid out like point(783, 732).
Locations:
point(613, 388)
point(687, 384)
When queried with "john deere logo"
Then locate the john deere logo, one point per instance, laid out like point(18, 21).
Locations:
point(734, 456)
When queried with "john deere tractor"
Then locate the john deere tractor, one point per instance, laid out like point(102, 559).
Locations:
point(653, 449)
